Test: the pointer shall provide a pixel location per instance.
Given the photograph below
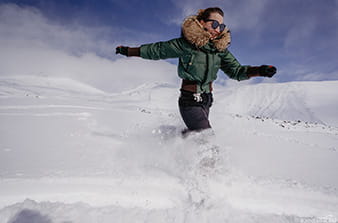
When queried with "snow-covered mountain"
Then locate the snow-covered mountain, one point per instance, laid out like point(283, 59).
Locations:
point(73, 153)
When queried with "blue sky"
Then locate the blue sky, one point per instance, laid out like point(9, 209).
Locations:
point(298, 36)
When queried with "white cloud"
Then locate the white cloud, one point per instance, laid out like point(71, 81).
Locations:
point(102, 73)
point(33, 45)
point(22, 26)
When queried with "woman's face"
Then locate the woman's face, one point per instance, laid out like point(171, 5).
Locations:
point(207, 24)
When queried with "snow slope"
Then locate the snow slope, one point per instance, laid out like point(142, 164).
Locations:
point(73, 153)
point(306, 101)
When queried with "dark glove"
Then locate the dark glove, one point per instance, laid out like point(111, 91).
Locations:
point(122, 50)
point(263, 71)
point(267, 70)
point(129, 51)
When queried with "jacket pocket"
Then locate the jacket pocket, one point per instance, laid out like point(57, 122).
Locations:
point(187, 61)
point(217, 62)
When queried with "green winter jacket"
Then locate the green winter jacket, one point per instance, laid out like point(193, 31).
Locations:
point(199, 57)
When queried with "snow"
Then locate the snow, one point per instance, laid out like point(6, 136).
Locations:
point(70, 152)
point(308, 101)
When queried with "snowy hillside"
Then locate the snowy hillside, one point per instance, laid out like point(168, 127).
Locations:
point(73, 153)
point(306, 101)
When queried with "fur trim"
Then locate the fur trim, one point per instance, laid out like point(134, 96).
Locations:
point(194, 32)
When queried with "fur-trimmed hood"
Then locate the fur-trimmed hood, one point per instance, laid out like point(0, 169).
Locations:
point(194, 32)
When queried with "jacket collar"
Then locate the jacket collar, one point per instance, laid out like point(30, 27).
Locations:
point(194, 32)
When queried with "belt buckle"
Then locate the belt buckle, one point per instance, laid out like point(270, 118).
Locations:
point(198, 97)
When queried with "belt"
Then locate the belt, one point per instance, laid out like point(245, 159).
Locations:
point(192, 86)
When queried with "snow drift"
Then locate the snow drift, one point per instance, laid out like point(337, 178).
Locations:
point(72, 153)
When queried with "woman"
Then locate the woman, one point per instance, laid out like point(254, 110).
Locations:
point(202, 51)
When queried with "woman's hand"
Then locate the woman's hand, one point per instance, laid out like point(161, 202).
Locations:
point(267, 70)
point(128, 51)
point(263, 71)
point(123, 50)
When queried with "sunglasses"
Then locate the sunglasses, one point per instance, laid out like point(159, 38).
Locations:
point(216, 24)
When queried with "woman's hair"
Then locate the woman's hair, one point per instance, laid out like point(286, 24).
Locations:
point(204, 14)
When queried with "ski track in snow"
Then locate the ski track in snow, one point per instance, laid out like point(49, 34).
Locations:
point(71, 153)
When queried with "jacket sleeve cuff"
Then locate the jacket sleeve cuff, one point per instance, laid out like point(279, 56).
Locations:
point(134, 52)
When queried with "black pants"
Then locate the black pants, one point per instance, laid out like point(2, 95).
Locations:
point(195, 113)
